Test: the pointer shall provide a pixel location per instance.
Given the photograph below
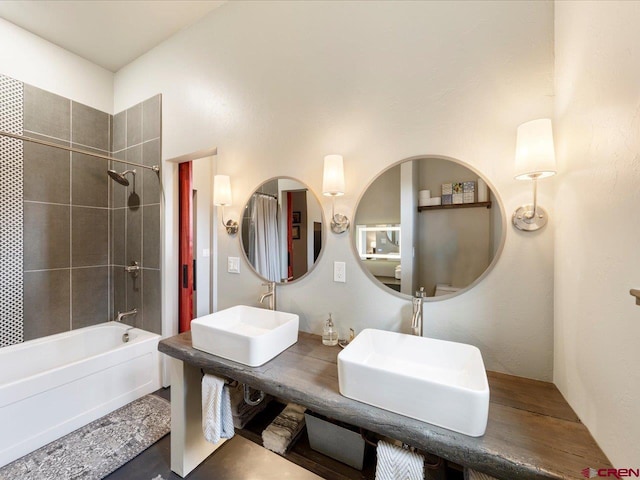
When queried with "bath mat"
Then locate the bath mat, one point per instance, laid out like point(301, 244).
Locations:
point(100, 447)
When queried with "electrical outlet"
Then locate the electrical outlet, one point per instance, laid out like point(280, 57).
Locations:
point(339, 272)
point(233, 264)
point(206, 253)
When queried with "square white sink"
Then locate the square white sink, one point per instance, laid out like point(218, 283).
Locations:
point(248, 335)
point(435, 381)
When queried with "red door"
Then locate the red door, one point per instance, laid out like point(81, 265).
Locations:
point(186, 273)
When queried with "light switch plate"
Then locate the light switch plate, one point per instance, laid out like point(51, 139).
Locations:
point(233, 264)
point(339, 272)
point(206, 253)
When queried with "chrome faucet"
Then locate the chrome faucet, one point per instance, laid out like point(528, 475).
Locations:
point(416, 319)
point(126, 314)
point(271, 294)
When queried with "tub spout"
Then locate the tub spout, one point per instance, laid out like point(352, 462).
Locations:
point(126, 314)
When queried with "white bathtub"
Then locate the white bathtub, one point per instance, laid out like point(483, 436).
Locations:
point(54, 385)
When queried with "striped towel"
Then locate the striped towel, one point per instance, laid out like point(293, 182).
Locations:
point(396, 463)
point(278, 436)
point(217, 421)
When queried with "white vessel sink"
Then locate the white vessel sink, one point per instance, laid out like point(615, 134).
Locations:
point(248, 335)
point(435, 381)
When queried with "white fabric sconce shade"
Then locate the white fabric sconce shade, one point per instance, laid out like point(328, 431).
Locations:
point(222, 198)
point(535, 155)
point(333, 186)
point(222, 190)
point(535, 159)
point(333, 177)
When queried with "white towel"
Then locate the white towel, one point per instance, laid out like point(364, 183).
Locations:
point(396, 463)
point(217, 421)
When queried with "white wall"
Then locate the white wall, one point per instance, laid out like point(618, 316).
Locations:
point(597, 324)
point(277, 85)
point(33, 60)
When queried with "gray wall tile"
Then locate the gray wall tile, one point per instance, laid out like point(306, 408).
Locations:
point(46, 172)
point(118, 232)
point(46, 236)
point(89, 181)
point(134, 190)
point(150, 179)
point(46, 303)
point(134, 236)
point(119, 285)
point(134, 299)
point(134, 125)
point(90, 126)
point(46, 113)
point(151, 236)
point(151, 118)
point(151, 297)
point(90, 236)
point(119, 132)
point(90, 296)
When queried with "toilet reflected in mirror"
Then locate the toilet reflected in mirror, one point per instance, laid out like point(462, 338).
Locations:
point(407, 238)
point(282, 232)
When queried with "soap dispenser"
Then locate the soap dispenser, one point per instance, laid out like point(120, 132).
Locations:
point(329, 333)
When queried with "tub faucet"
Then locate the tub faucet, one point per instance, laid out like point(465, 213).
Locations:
point(126, 314)
point(416, 319)
point(271, 294)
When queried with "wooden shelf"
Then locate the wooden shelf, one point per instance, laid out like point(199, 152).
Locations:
point(456, 205)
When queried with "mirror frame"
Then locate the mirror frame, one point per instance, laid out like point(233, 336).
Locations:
point(490, 267)
point(324, 231)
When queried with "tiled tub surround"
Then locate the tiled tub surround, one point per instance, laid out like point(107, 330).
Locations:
point(66, 216)
point(135, 219)
point(79, 228)
point(60, 383)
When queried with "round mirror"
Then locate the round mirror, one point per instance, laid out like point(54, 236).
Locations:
point(428, 223)
point(282, 230)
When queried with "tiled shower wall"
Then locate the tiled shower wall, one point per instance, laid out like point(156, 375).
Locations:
point(77, 227)
point(135, 220)
point(66, 216)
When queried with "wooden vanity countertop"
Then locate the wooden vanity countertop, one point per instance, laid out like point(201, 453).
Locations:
point(532, 431)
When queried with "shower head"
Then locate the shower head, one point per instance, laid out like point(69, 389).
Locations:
point(120, 177)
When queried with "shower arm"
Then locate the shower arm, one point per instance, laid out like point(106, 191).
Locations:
point(154, 168)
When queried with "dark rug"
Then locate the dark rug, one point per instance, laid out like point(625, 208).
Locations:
point(97, 449)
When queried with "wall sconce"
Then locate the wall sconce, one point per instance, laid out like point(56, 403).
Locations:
point(222, 198)
point(535, 159)
point(333, 186)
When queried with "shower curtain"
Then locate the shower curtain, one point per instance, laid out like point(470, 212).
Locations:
point(263, 243)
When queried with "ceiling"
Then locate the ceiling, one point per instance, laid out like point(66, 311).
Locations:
point(109, 33)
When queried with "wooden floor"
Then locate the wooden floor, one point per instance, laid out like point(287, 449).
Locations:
point(244, 458)
point(253, 461)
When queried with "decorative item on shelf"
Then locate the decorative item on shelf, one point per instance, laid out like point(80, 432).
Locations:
point(435, 201)
point(458, 187)
point(447, 199)
point(424, 198)
point(469, 192)
point(222, 198)
point(333, 186)
point(535, 159)
point(458, 198)
point(447, 189)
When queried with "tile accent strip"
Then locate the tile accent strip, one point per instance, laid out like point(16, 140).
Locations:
point(11, 213)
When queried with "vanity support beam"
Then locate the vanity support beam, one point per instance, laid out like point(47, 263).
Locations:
point(188, 445)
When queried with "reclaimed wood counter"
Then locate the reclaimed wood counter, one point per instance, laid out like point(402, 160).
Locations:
point(532, 432)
